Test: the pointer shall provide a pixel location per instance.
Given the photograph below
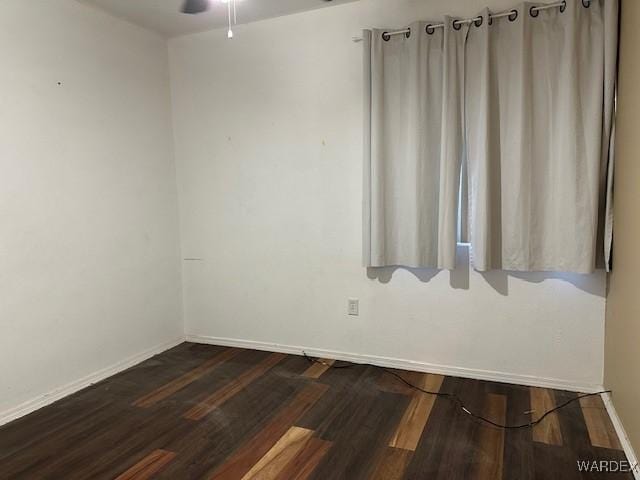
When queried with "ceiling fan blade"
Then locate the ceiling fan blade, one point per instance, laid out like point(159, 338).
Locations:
point(195, 6)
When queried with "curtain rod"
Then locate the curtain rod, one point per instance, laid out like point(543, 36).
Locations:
point(467, 21)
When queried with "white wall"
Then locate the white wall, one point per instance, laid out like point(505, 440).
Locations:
point(268, 146)
point(89, 253)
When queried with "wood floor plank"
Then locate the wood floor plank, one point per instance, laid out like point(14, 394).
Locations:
point(551, 464)
point(391, 464)
point(144, 429)
point(40, 457)
point(181, 382)
point(390, 383)
point(269, 393)
point(242, 460)
point(19, 439)
point(112, 448)
point(548, 431)
point(276, 459)
point(363, 434)
point(303, 465)
point(615, 456)
point(576, 444)
point(217, 398)
point(599, 425)
point(428, 455)
point(561, 463)
point(209, 443)
point(328, 417)
point(518, 449)
point(461, 432)
point(447, 444)
point(148, 466)
point(317, 369)
point(415, 417)
point(489, 456)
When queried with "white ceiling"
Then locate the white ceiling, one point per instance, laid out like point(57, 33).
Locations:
point(164, 17)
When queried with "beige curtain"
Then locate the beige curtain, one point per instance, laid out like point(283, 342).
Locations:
point(539, 90)
point(413, 145)
point(528, 101)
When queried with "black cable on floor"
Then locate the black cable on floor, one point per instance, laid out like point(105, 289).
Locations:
point(456, 399)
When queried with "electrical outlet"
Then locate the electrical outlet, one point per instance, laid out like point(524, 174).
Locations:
point(353, 306)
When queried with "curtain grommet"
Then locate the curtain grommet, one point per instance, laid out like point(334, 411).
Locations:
point(534, 12)
point(563, 7)
point(586, 3)
point(429, 29)
point(408, 34)
point(478, 21)
point(513, 15)
point(490, 20)
point(386, 37)
point(456, 25)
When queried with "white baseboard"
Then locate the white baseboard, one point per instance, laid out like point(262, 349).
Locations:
point(50, 397)
point(399, 363)
point(622, 435)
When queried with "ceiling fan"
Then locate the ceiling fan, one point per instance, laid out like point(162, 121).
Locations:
point(193, 7)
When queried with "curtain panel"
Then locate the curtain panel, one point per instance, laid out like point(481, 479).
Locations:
point(525, 104)
point(539, 103)
point(413, 146)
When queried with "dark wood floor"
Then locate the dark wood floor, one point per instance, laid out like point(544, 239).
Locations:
point(208, 412)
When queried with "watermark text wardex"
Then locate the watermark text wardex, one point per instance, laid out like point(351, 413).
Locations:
point(609, 466)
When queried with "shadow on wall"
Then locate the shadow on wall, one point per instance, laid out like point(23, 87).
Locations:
point(498, 279)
